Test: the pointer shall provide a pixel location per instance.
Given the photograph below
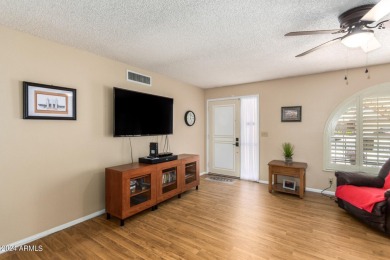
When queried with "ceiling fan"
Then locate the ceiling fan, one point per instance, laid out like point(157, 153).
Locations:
point(356, 24)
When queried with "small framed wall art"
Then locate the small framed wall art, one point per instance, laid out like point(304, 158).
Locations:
point(292, 114)
point(289, 185)
point(48, 102)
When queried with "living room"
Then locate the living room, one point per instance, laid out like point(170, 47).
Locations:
point(53, 170)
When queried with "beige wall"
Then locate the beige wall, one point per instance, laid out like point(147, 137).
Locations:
point(318, 95)
point(52, 171)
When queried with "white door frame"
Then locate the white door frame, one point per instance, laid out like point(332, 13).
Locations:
point(207, 124)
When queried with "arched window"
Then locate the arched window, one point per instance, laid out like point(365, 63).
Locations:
point(357, 134)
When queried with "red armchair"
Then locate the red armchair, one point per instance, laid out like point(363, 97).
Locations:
point(366, 197)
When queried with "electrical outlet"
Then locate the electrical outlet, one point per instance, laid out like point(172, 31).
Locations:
point(330, 181)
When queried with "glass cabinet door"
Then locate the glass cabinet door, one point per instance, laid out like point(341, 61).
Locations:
point(140, 191)
point(169, 180)
point(190, 172)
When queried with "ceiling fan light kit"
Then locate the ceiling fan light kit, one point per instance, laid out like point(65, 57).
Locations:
point(358, 38)
point(356, 24)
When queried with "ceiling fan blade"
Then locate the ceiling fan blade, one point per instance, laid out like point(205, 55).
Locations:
point(313, 32)
point(371, 45)
point(376, 13)
point(320, 46)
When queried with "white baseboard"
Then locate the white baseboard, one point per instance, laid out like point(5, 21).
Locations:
point(203, 173)
point(332, 193)
point(49, 232)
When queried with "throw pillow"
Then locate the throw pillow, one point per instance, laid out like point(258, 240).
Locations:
point(387, 182)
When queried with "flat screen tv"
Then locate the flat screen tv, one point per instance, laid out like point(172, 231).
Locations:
point(141, 114)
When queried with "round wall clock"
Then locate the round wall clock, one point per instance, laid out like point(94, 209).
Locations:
point(189, 118)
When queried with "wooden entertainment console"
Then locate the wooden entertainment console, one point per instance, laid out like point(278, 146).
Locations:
point(131, 188)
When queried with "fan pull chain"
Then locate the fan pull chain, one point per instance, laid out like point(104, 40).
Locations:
point(368, 73)
point(346, 68)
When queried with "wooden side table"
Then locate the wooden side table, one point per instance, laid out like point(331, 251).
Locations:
point(294, 169)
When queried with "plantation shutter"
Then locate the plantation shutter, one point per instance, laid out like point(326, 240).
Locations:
point(375, 130)
point(357, 134)
point(343, 140)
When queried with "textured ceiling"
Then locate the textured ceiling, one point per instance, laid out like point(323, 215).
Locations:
point(204, 43)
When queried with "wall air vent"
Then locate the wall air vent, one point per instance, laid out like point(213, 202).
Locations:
point(138, 78)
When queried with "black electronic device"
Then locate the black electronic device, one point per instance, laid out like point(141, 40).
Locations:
point(154, 160)
point(153, 150)
point(141, 114)
point(164, 154)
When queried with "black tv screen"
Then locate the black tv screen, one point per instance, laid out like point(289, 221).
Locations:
point(139, 114)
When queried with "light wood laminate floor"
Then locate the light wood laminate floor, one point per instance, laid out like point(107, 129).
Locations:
point(222, 221)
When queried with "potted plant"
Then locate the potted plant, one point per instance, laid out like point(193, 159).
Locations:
point(288, 152)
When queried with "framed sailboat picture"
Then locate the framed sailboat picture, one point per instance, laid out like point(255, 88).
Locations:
point(48, 102)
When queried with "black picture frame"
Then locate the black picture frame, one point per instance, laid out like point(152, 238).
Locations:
point(291, 114)
point(42, 101)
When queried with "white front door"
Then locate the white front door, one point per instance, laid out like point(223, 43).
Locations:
point(224, 137)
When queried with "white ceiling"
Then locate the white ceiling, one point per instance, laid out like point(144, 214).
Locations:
point(201, 42)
